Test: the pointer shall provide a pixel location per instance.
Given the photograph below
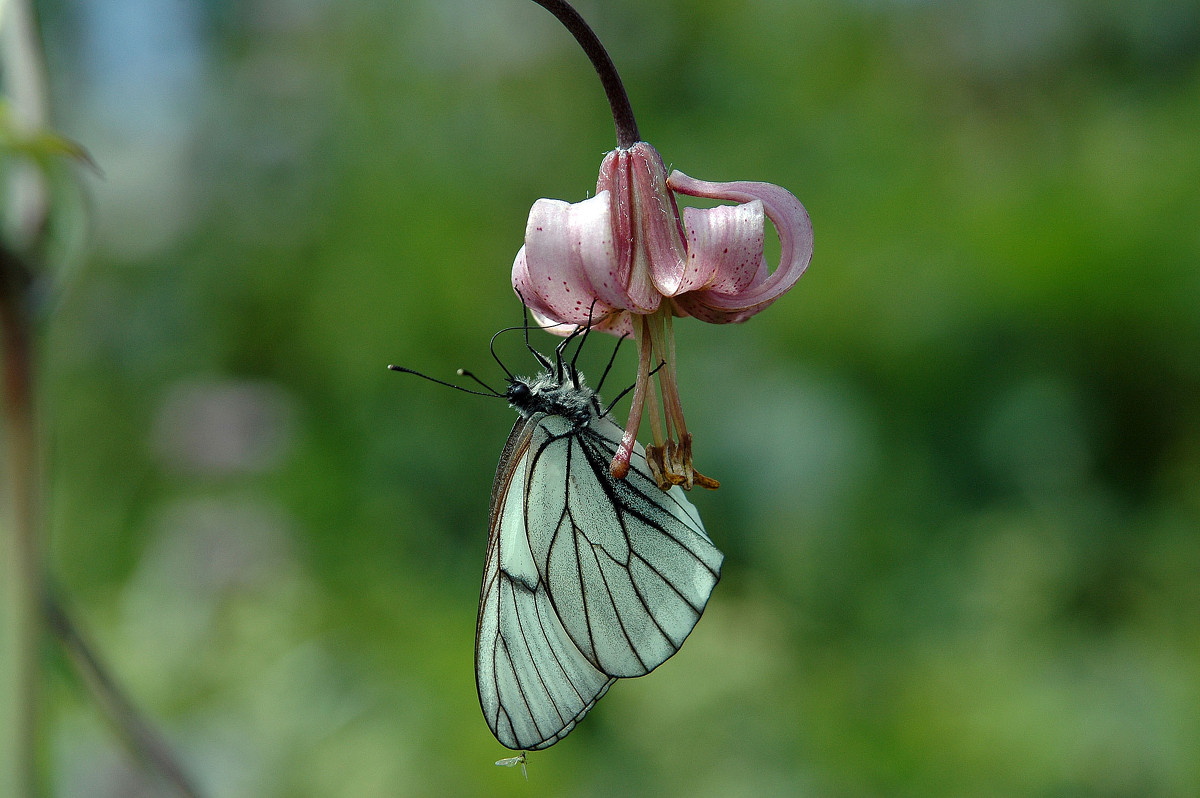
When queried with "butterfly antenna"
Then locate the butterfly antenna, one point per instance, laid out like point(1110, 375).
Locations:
point(404, 370)
point(495, 357)
point(546, 364)
point(562, 347)
point(486, 387)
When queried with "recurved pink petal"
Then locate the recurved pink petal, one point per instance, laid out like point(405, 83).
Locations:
point(613, 181)
point(637, 181)
point(655, 211)
point(695, 305)
point(594, 246)
point(617, 322)
point(795, 242)
point(523, 284)
point(725, 247)
point(561, 241)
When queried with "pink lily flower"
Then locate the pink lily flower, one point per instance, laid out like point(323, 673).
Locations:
point(627, 260)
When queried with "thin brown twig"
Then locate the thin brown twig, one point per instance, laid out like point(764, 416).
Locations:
point(30, 598)
point(23, 563)
point(24, 220)
point(139, 735)
point(27, 600)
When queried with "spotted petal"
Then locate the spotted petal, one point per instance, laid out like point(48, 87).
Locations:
point(739, 285)
point(725, 247)
point(566, 245)
point(645, 223)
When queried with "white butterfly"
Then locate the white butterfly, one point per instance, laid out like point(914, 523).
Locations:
point(587, 578)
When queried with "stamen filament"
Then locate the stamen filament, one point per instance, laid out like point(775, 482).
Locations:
point(620, 464)
point(676, 405)
point(654, 326)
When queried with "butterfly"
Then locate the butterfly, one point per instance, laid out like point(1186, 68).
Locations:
point(587, 578)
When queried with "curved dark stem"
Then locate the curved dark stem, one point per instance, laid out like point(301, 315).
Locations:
point(618, 100)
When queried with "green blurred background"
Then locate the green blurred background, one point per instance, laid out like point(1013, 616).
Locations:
point(960, 461)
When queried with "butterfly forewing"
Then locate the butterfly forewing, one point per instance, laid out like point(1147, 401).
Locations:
point(587, 579)
point(534, 684)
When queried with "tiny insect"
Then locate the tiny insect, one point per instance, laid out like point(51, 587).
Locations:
point(513, 761)
point(587, 578)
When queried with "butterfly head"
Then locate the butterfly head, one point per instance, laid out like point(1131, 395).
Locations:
point(545, 393)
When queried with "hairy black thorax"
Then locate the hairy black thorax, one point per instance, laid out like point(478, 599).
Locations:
point(546, 393)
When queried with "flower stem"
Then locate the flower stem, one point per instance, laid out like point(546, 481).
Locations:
point(618, 100)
